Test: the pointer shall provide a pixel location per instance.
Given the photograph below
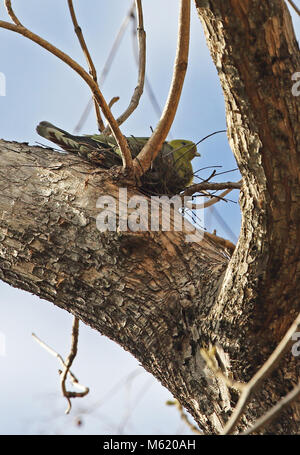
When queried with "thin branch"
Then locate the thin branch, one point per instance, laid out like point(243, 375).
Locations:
point(260, 376)
point(148, 87)
point(11, 13)
point(66, 366)
point(214, 199)
point(138, 91)
point(211, 186)
point(113, 101)
point(274, 411)
point(294, 6)
point(121, 140)
point(92, 69)
point(152, 147)
point(107, 64)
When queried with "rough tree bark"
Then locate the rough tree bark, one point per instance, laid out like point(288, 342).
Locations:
point(158, 296)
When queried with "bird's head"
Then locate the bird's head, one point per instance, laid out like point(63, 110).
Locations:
point(184, 150)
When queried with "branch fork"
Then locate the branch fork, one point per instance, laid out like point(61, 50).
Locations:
point(143, 161)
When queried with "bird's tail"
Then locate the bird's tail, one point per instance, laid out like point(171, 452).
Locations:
point(65, 140)
point(85, 146)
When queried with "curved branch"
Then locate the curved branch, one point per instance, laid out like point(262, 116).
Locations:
point(107, 64)
point(121, 140)
point(67, 365)
point(11, 13)
point(89, 60)
point(142, 65)
point(149, 152)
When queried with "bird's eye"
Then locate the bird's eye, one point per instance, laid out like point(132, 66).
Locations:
point(184, 143)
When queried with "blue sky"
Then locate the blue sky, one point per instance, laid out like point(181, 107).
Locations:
point(123, 397)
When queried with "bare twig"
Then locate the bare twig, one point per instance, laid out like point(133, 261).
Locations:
point(121, 140)
point(260, 376)
point(11, 13)
point(216, 199)
point(107, 64)
point(92, 69)
point(203, 186)
point(66, 365)
point(274, 411)
point(152, 147)
point(138, 91)
point(294, 6)
point(223, 223)
point(211, 186)
point(113, 101)
point(148, 87)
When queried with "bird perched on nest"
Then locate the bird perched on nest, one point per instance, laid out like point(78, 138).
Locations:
point(171, 171)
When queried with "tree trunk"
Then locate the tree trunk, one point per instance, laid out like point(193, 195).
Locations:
point(155, 294)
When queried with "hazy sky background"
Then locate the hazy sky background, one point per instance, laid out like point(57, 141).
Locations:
point(124, 399)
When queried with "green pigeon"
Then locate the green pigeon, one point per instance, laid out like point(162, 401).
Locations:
point(170, 173)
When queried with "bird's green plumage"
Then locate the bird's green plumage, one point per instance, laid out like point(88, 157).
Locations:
point(184, 152)
point(170, 172)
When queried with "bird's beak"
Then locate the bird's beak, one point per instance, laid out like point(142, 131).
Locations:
point(197, 154)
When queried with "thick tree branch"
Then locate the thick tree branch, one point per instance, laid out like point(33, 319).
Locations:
point(160, 297)
point(49, 206)
point(262, 120)
point(255, 51)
